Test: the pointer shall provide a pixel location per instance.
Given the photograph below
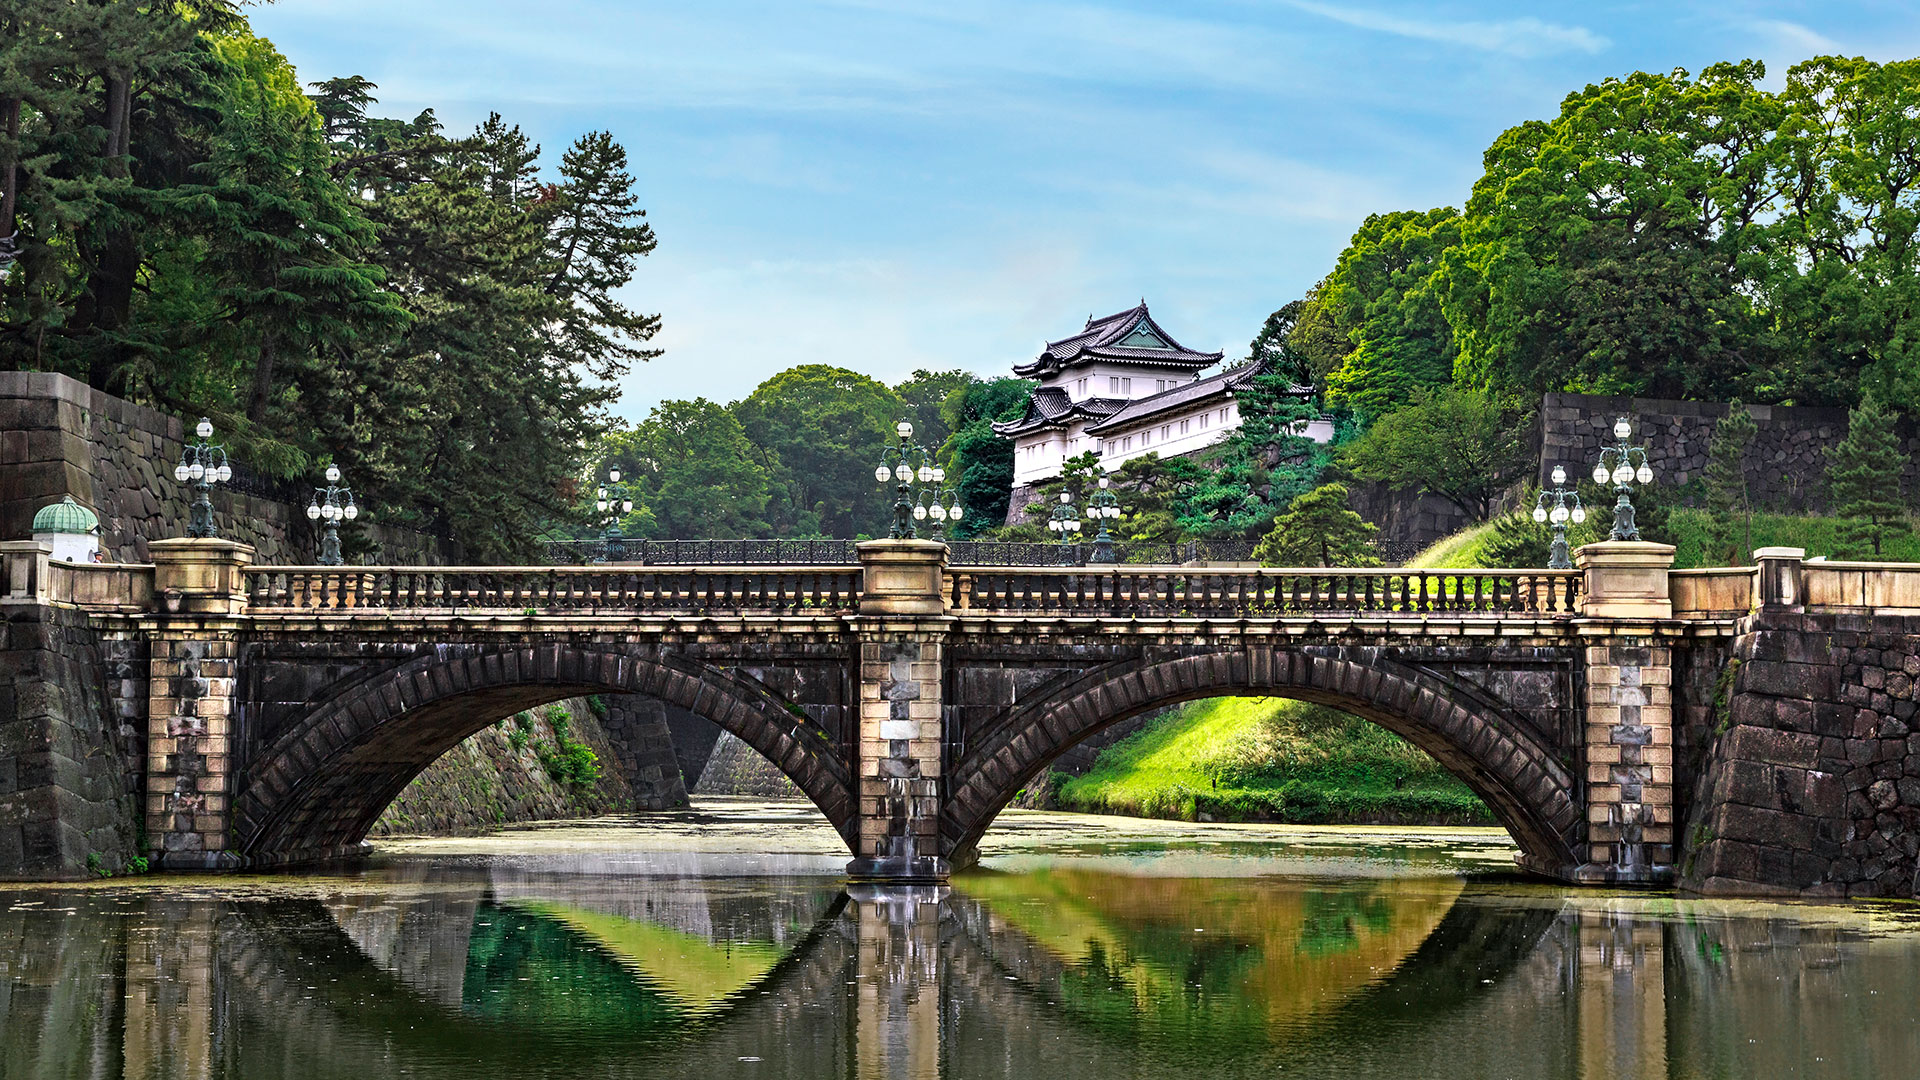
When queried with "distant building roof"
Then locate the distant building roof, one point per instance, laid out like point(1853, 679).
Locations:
point(65, 516)
point(1049, 407)
point(1182, 398)
point(1127, 337)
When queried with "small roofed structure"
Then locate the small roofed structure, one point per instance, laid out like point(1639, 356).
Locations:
point(1123, 388)
point(72, 530)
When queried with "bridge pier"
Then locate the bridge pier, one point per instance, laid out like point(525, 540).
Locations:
point(192, 668)
point(1627, 726)
point(902, 629)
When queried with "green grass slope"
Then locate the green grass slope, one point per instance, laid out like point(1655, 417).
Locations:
point(1271, 759)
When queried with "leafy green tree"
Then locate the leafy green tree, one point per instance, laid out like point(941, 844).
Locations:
point(1456, 442)
point(693, 472)
point(925, 394)
point(980, 464)
point(1384, 294)
point(1864, 471)
point(1726, 482)
point(1318, 529)
point(819, 430)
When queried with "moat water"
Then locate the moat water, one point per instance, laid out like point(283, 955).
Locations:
point(721, 943)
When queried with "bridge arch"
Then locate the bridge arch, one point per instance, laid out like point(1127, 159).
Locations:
point(1530, 791)
point(316, 790)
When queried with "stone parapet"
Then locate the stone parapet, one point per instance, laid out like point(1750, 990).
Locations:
point(1627, 580)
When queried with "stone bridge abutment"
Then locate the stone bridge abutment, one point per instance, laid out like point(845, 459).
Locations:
point(1741, 728)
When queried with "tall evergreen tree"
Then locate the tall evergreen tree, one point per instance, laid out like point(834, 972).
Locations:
point(1726, 478)
point(1864, 471)
point(1318, 529)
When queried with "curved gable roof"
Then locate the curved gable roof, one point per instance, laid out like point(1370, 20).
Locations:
point(1125, 337)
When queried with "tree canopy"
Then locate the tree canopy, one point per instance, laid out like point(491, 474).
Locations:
point(195, 232)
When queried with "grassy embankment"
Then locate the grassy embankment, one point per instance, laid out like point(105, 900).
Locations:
point(1270, 759)
point(1688, 532)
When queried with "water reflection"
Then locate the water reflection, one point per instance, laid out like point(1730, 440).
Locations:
point(1069, 971)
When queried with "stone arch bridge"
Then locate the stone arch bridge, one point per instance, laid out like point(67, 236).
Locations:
point(1594, 710)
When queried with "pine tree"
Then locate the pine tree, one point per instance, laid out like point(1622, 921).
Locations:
point(1726, 479)
point(1864, 471)
point(1319, 530)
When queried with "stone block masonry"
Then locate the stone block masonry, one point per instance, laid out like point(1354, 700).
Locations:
point(59, 436)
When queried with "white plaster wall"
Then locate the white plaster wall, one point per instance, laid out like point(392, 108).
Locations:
point(1098, 380)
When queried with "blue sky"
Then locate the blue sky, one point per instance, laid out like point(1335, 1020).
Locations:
point(889, 186)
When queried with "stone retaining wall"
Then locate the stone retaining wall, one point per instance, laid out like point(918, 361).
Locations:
point(487, 781)
point(59, 436)
point(1813, 782)
point(72, 761)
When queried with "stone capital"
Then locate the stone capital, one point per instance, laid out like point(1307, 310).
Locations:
point(1779, 586)
point(23, 571)
point(1625, 579)
point(200, 576)
point(903, 577)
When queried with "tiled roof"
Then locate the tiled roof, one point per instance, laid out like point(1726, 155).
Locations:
point(1180, 398)
point(1049, 406)
point(1107, 339)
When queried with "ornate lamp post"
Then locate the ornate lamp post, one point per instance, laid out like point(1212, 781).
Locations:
point(1566, 507)
point(616, 502)
point(331, 505)
point(1103, 507)
point(939, 504)
point(202, 465)
point(1067, 524)
point(905, 463)
point(1624, 474)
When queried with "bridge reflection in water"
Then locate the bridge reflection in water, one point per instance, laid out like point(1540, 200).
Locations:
point(1061, 973)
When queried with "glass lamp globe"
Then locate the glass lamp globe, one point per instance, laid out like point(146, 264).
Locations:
point(1053, 526)
point(204, 428)
point(1622, 474)
point(352, 511)
point(926, 474)
point(613, 475)
point(333, 474)
point(626, 506)
point(1621, 429)
point(939, 475)
point(1559, 476)
point(600, 505)
point(1092, 512)
point(1113, 511)
point(903, 429)
point(1103, 482)
point(1539, 514)
point(180, 473)
point(956, 511)
point(880, 473)
point(196, 470)
point(1599, 474)
point(937, 512)
point(902, 473)
point(1644, 474)
point(919, 513)
point(226, 474)
point(313, 512)
point(1579, 515)
point(1559, 515)
point(1065, 498)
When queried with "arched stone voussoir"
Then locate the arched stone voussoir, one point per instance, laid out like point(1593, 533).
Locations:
point(319, 787)
point(1529, 791)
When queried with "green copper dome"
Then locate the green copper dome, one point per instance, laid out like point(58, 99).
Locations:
point(65, 516)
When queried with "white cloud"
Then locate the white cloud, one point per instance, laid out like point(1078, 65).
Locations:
point(1801, 41)
point(1525, 37)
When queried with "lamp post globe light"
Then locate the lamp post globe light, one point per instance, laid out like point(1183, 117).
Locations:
point(903, 464)
point(1104, 507)
point(202, 465)
point(1066, 523)
point(1623, 473)
point(615, 501)
point(332, 505)
point(937, 503)
point(1565, 506)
